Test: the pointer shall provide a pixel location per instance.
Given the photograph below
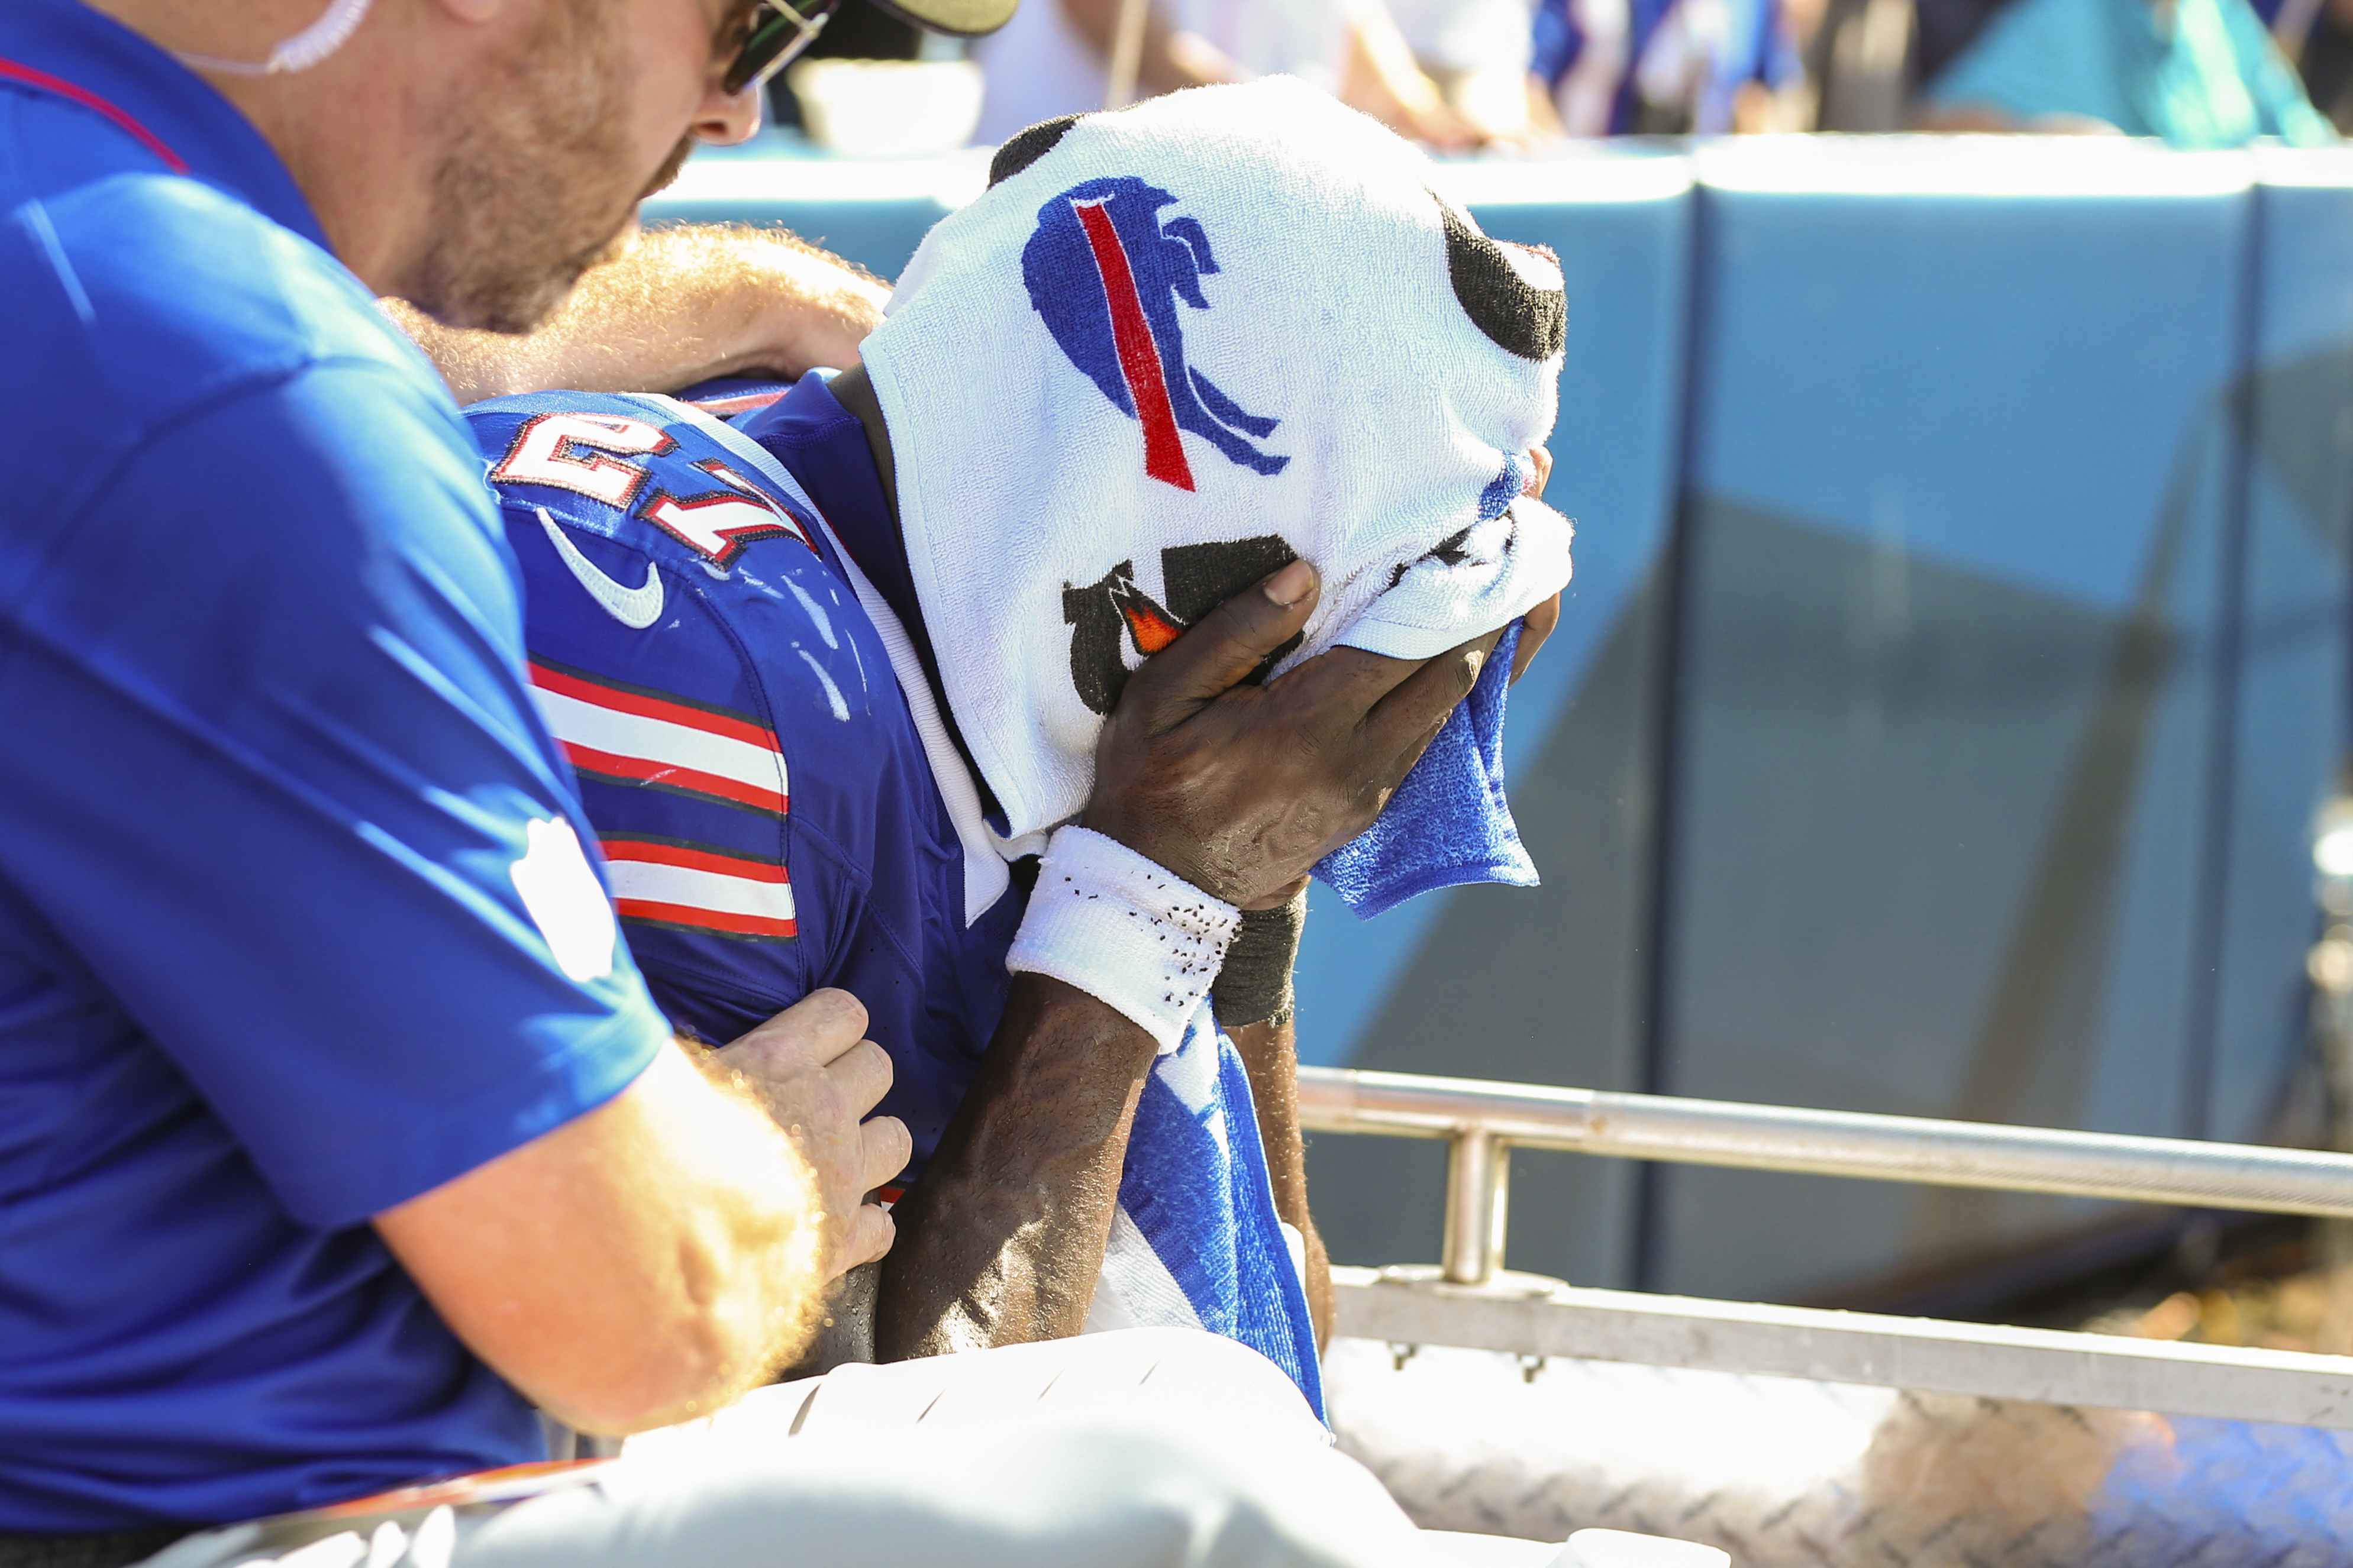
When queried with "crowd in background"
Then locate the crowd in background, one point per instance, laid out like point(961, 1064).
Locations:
point(1461, 75)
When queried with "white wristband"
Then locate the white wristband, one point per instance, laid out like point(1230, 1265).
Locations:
point(1123, 929)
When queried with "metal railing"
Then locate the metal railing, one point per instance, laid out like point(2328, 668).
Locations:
point(1482, 1122)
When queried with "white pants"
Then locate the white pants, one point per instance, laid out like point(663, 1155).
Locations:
point(1146, 1448)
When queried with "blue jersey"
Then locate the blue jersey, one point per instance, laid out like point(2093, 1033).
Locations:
point(771, 813)
point(769, 819)
point(295, 924)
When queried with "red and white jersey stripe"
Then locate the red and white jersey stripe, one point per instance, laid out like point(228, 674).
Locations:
point(695, 887)
point(630, 735)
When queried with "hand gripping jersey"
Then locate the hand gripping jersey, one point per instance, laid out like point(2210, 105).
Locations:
point(771, 823)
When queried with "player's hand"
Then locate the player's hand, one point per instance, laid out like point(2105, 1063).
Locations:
point(1539, 472)
point(818, 1076)
point(1539, 622)
point(1240, 789)
point(1534, 626)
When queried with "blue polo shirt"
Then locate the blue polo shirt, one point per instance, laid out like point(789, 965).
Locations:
point(294, 920)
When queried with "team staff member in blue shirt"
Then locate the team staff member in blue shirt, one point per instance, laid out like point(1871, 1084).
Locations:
point(336, 1129)
point(294, 933)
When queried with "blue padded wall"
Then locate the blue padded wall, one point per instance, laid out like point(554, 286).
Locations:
point(1959, 492)
point(2289, 654)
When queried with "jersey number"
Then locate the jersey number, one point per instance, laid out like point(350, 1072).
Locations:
point(543, 454)
point(718, 523)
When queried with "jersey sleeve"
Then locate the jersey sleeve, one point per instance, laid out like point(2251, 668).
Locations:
point(667, 721)
point(276, 782)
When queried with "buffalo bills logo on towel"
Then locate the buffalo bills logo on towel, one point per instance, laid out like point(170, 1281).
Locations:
point(1195, 579)
point(1106, 275)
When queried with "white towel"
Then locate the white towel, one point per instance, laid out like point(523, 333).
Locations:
point(1171, 348)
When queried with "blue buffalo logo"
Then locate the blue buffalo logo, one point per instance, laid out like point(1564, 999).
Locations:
point(1106, 275)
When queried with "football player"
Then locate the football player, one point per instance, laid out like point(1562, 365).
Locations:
point(729, 640)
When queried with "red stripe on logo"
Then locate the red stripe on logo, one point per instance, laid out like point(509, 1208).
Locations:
point(644, 770)
point(741, 403)
point(646, 707)
point(1139, 356)
point(63, 89)
point(640, 850)
point(707, 919)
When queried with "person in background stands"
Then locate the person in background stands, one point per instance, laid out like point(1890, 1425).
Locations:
point(1671, 67)
point(2199, 73)
point(1054, 58)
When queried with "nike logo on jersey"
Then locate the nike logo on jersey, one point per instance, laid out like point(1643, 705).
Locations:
point(635, 608)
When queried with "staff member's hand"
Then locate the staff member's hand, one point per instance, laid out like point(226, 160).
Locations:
point(1240, 789)
point(813, 1072)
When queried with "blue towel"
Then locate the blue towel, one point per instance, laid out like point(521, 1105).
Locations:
point(1195, 1187)
point(1448, 823)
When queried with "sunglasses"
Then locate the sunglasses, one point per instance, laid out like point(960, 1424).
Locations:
point(780, 30)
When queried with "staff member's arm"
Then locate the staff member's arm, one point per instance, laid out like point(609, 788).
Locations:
point(676, 306)
point(1237, 789)
point(309, 833)
point(651, 1260)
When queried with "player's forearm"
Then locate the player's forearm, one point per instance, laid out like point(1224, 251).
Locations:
point(678, 306)
point(1271, 1057)
point(1001, 1240)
